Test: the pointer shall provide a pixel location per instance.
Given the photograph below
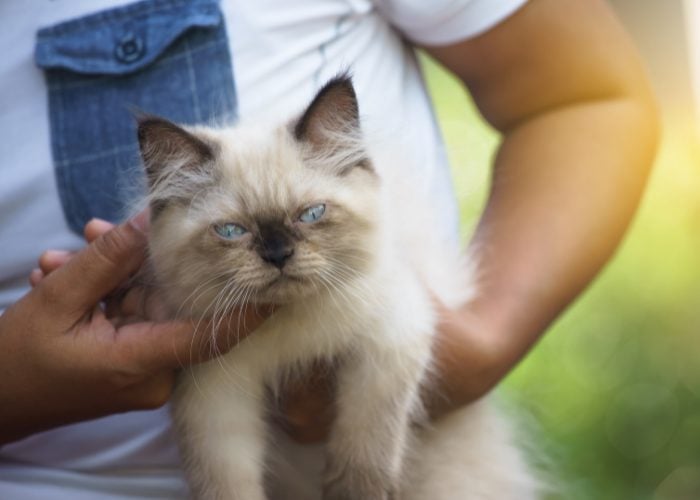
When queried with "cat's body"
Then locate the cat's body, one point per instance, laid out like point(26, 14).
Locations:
point(303, 215)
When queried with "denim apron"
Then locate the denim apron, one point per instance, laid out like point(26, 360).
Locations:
point(164, 57)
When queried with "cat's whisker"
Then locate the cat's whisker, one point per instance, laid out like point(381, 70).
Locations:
point(225, 304)
point(212, 330)
point(337, 276)
point(214, 279)
point(333, 291)
point(233, 299)
point(241, 321)
point(230, 303)
point(236, 302)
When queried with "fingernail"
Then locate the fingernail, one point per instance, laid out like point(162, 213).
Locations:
point(56, 255)
point(100, 225)
point(35, 276)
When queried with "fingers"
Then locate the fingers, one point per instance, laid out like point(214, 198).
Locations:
point(152, 393)
point(35, 277)
point(233, 328)
point(49, 261)
point(157, 350)
point(95, 271)
point(176, 344)
point(137, 302)
point(211, 338)
point(96, 228)
point(130, 302)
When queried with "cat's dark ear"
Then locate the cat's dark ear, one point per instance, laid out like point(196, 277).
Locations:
point(164, 144)
point(331, 114)
point(330, 125)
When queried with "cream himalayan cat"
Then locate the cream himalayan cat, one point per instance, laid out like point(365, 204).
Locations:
point(306, 216)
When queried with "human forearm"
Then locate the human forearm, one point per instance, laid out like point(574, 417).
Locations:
point(562, 82)
point(566, 184)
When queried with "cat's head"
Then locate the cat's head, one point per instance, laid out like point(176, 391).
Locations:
point(261, 213)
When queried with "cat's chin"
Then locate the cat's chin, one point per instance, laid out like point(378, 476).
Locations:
point(285, 289)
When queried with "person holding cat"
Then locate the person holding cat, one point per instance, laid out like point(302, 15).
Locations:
point(559, 79)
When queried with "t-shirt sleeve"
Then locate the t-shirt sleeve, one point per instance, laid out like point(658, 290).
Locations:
point(441, 22)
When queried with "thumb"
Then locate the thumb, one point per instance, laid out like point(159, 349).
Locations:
point(178, 343)
point(98, 269)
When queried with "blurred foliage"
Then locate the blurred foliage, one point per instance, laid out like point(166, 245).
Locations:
point(609, 400)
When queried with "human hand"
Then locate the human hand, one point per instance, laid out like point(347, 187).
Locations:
point(64, 359)
point(132, 301)
point(470, 357)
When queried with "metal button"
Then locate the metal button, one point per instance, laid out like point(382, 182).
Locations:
point(129, 48)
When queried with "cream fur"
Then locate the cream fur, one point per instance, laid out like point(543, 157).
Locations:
point(362, 301)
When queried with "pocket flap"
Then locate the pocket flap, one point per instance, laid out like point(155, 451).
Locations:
point(122, 40)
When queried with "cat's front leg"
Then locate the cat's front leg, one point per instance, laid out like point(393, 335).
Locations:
point(377, 394)
point(218, 412)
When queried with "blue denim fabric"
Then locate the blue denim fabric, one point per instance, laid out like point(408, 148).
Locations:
point(164, 57)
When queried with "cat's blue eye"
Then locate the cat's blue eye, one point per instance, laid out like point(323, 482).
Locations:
point(312, 214)
point(230, 231)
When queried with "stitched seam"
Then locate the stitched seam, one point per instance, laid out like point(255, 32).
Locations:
point(120, 13)
point(193, 82)
point(99, 80)
point(96, 156)
point(64, 177)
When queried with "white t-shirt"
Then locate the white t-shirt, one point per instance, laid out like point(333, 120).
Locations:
point(282, 52)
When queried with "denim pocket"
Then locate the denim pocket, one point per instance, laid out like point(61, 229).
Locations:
point(166, 57)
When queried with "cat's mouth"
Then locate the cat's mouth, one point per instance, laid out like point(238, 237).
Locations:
point(284, 278)
point(285, 287)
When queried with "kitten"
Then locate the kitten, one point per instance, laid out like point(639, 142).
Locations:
point(302, 215)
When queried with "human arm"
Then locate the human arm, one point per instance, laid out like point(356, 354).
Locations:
point(63, 359)
point(563, 84)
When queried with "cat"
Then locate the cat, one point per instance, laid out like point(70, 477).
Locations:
point(307, 216)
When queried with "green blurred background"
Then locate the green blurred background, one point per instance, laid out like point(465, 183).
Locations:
point(610, 398)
